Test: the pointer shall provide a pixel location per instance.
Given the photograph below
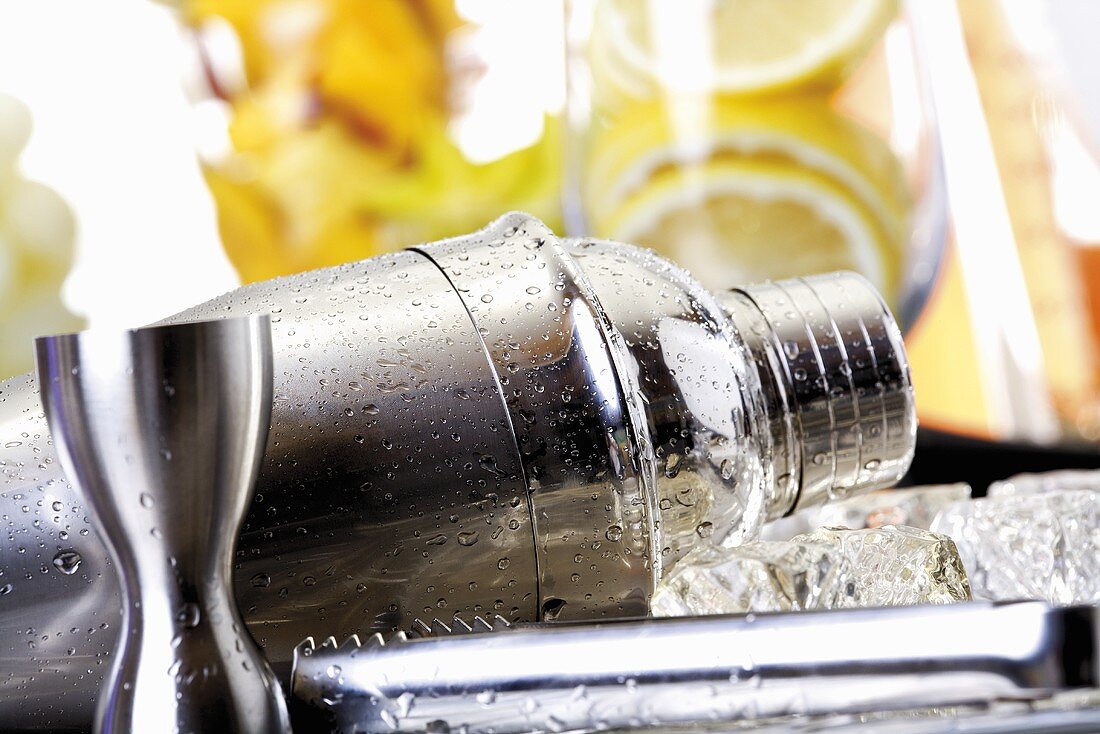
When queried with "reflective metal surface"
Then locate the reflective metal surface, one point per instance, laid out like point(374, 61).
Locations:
point(391, 487)
point(835, 377)
point(501, 423)
point(673, 671)
point(702, 410)
point(161, 430)
point(387, 491)
point(575, 413)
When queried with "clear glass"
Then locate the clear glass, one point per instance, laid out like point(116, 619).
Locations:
point(1014, 86)
point(756, 140)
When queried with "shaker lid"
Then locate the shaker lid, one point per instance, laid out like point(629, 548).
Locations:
point(836, 380)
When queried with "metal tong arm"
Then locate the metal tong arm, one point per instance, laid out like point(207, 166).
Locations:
point(679, 670)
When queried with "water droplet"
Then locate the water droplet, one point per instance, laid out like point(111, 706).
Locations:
point(261, 581)
point(405, 703)
point(309, 581)
point(370, 409)
point(189, 615)
point(672, 465)
point(487, 298)
point(437, 539)
point(468, 538)
point(704, 529)
point(5, 589)
point(791, 349)
point(147, 500)
point(57, 506)
point(552, 609)
point(614, 533)
point(67, 561)
point(503, 563)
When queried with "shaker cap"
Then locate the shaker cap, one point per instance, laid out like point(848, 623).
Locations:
point(837, 390)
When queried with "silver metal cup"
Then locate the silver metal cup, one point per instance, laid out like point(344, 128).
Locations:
point(162, 431)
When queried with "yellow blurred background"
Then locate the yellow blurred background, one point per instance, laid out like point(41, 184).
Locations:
point(944, 152)
point(342, 144)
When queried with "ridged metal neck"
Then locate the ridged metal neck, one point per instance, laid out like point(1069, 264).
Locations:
point(835, 378)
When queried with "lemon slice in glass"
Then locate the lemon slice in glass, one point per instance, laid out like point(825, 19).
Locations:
point(776, 188)
point(755, 46)
point(740, 221)
point(648, 137)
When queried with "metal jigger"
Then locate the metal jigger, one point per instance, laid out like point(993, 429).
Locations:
point(162, 429)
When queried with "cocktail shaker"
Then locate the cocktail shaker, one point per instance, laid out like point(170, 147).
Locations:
point(502, 423)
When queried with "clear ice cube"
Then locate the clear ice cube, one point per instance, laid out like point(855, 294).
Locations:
point(1034, 541)
point(1054, 481)
point(831, 568)
point(912, 506)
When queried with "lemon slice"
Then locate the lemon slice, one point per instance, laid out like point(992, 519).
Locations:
point(806, 131)
point(744, 221)
point(751, 46)
point(800, 143)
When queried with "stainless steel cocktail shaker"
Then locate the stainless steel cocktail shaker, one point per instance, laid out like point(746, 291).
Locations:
point(500, 423)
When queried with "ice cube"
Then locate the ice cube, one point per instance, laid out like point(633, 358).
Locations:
point(912, 506)
point(1054, 481)
point(831, 568)
point(1033, 542)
